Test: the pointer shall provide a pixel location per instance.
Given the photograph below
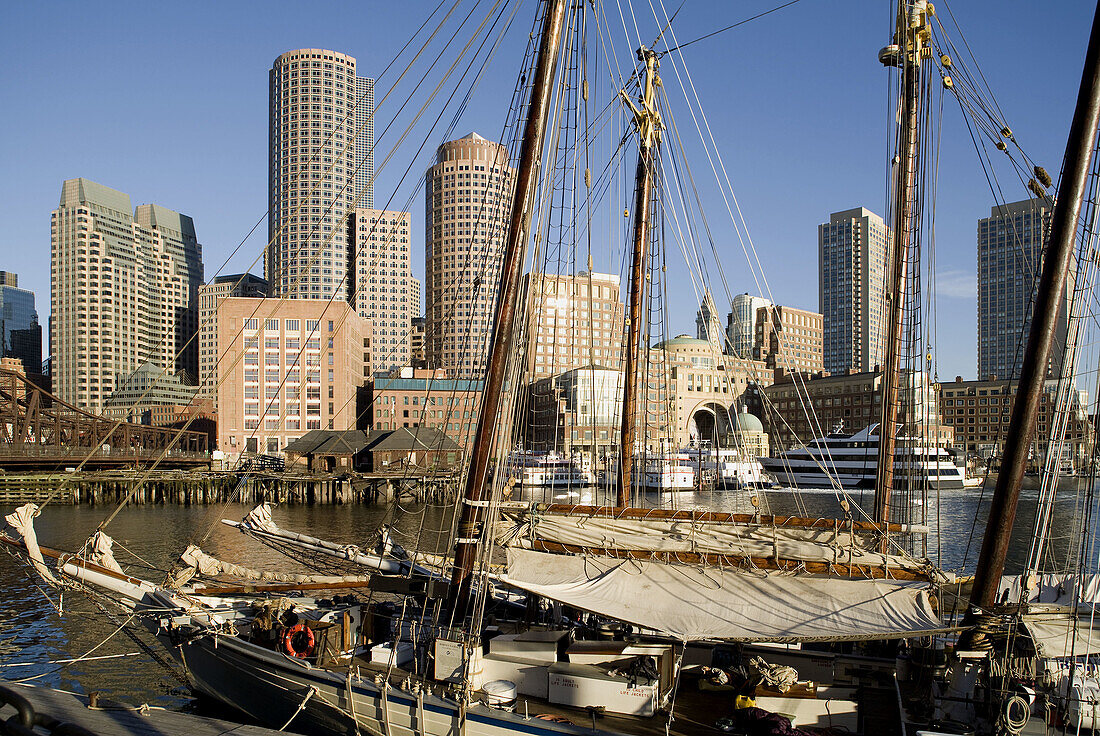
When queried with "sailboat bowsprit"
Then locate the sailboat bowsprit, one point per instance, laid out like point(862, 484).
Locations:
point(569, 618)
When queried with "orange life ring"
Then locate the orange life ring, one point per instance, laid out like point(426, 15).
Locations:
point(288, 641)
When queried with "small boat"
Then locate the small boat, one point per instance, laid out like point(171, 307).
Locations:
point(852, 461)
point(668, 472)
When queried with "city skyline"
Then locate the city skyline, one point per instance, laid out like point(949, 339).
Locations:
point(214, 171)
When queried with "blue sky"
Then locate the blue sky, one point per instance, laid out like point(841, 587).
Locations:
point(168, 102)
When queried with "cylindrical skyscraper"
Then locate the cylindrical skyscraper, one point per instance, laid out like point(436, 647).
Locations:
point(319, 144)
point(467, 193)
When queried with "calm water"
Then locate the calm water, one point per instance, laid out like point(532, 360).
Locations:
point(33, 636)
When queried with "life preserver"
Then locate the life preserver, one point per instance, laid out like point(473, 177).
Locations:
point(288, 641)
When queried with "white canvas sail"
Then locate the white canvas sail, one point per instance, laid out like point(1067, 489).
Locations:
point(828, 545)
point(692, 603)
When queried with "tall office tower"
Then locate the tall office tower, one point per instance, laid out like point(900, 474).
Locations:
point(124, 290)
point(468, 196)
point(384, 291)
point(1010, 252)
point(853, 250)
point(317, 153)
point(741, 323)
point(576, 321)
point(708, 325)
point(20, 332)
point(210, 296)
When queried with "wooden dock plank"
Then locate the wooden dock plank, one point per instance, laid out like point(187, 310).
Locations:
point(74, 709)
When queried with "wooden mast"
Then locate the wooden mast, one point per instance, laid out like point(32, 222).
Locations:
point(648, 120)
point(911, 38)
point(467, 536)
point(1052, 282)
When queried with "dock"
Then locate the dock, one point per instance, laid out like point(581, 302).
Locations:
point(107, 718)
point(198, 488)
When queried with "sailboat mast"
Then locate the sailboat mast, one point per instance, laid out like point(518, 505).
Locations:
point(531, 149)
point(1052, 282)
point(648, 120)
point(912, 37)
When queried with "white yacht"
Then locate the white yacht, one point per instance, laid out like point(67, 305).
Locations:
point(852, 461)
point(548, 469)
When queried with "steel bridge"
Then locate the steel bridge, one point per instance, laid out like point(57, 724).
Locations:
point(39, 431)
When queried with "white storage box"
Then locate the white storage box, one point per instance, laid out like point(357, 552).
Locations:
point(530, 678)
point(839, 714)
point(540, 647)
point(385, 654)
point(581, 685)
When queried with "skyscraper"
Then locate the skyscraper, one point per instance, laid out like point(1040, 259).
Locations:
point(852, 255)
point(20, 332)
point(1010, 248)
point(708, 325)
point(320, 164)
point(468, 193)
point(741, 323)
point(385, 291)
point(124, 290)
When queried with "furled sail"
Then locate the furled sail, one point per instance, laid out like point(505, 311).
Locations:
point(691, 602)
point(836, 545)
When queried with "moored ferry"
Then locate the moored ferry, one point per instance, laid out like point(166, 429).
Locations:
point(851, 460)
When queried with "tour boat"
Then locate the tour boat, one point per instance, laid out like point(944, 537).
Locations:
point(851, 460)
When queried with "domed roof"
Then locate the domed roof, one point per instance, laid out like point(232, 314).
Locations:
point(682, 340)
point(748, 423)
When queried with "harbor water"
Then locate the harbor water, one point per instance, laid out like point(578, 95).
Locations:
point(35, 639)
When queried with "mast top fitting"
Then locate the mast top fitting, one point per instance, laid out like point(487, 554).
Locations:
point(646, 115)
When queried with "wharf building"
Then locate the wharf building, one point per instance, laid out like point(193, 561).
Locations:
point(701, 392)
point(574, 321)
point(799, 407)
point(210, 296)
point(383, 288)
point(287, 367)
point(124, 291)
point(20, 330)
point(321, 165)
point(1010, 256)
point(468, 193)
point(789, 338)
point(741, 324)
point(853, 255)
point(979, 412)
point(421, 398)
point(692, 395)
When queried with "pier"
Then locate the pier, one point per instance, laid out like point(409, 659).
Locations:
point(197, 488)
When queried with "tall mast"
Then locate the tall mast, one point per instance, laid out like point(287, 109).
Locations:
point(1052, 283)
point(648, 120)
point(912, 38)
point(531, 149)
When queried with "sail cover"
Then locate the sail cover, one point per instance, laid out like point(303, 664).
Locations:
point(1064, 635)
point(753, 540)
point(691, 602)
